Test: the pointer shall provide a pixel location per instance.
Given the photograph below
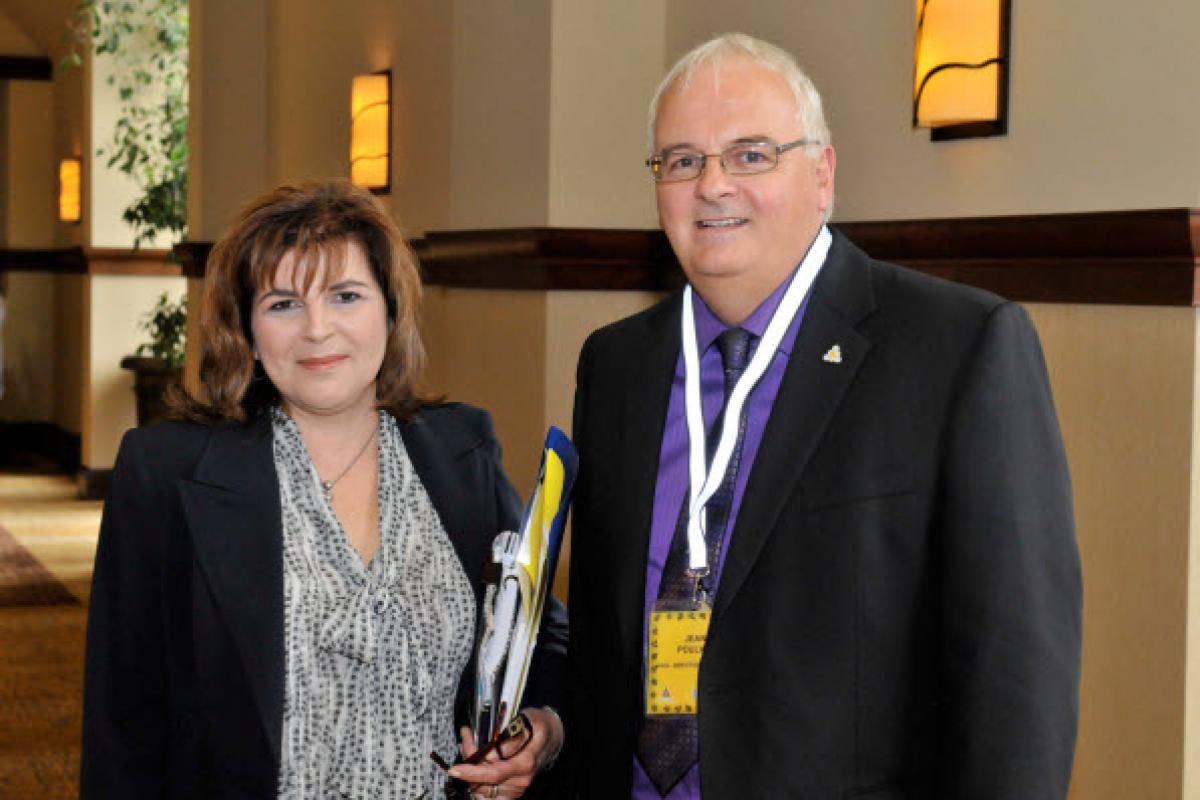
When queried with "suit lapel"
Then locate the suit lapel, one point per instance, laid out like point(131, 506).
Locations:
point(436, 458)
point(233, 515)
point(808, 397)
point(643, 417)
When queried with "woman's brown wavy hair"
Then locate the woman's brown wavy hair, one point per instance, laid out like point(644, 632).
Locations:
point(313, 220)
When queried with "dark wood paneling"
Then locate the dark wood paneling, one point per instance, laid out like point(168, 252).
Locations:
point(93, 483)
point(26, 68)
point(92, 261)
point(38, 445)
point(1121, 257)
point(583, 259)
point(1109, 234)
point(192, 257)
point(68, 260)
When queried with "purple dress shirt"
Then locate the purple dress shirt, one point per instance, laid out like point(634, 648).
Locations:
point(672, 483)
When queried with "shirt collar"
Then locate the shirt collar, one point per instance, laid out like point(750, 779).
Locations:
point(709, 326)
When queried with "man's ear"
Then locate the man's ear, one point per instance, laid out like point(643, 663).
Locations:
point(826, 166)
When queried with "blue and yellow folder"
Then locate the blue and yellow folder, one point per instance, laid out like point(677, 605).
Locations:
point(512, 610)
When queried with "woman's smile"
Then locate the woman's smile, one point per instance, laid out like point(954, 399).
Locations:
point(316, 363)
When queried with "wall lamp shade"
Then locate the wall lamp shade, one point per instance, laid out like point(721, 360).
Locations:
point(371, 131)
point(960, 59)
point(70, 205)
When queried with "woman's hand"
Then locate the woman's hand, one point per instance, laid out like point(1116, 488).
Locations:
point(510, 777)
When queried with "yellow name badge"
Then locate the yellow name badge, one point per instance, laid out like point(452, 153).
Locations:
point(675, 645)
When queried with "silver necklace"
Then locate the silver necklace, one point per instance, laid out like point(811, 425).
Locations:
point(328, 485)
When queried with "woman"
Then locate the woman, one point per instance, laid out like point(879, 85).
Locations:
point(285, 590)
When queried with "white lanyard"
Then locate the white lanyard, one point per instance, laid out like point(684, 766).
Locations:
point(705, 480)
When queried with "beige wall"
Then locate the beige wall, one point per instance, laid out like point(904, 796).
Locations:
point(1123, 385)
point(605, 62)
point(488, 348)
point(1191, 743)
point(514, 354)
point(413, 39)
point(500, 114)
point(227, 96)
point(277, 84)
point(312, 83)
point(1100, 107)
point(32, 169)
point(500, 111)
point(532, 114)
point(115, 304)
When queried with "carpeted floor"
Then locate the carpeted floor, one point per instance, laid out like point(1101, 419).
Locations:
point(24, 581)
point(47, 542)
point(41, 673)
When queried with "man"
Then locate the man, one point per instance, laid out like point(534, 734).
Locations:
point(882, 527)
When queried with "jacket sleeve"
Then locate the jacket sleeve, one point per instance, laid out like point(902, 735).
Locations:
point(580, 655)
point(125, 725)
point(1011, 587)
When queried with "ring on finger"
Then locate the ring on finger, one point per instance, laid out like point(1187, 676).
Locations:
point(495, 791)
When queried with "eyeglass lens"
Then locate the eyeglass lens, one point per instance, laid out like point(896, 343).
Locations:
point(738, 159)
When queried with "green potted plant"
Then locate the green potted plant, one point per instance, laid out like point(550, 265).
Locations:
point(147, 43)
point(158, 363)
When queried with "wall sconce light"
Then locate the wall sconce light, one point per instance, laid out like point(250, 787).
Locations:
point(960, 86)
point(70, 205)
point(371, 131)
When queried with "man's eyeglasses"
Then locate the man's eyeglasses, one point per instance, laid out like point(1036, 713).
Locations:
point(743, 158)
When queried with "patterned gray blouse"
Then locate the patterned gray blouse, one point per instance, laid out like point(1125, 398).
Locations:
point(374, 653)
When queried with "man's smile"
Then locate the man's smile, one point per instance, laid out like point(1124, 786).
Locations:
point(722, 222)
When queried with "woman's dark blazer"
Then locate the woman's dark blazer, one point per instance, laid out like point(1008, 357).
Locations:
point(184, 683)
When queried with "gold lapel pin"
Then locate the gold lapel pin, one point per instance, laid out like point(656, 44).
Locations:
point(833, 355)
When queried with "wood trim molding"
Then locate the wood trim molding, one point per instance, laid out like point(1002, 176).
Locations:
point(122, 261)
point(549, 259)
point(70, 260)
point(26, 68)
point(1117, 257)
point(89, 261)
point(1146, 257)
